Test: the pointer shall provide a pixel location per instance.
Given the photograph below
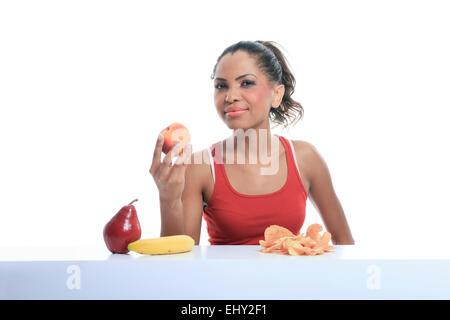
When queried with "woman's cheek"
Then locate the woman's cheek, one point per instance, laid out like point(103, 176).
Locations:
point(261, 94)
point(216, 99)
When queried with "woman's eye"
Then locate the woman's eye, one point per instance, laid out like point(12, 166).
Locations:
point(245, 83)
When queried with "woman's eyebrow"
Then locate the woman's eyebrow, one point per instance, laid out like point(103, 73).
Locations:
point(247, 74)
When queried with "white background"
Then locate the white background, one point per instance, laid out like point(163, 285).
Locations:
point(85, 87)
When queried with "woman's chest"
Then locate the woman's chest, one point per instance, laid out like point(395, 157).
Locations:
point(250, 180)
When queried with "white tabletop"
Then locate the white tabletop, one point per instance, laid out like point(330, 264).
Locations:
point(223, 252)
point(224, 272)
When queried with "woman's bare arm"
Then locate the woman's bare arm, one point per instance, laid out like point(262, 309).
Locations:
point(324, 198)
point(192, 199)
point(180, 191)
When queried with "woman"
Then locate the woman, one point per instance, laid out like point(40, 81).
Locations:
point(253, 86)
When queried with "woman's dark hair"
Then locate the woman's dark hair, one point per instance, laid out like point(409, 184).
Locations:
point(271, 61)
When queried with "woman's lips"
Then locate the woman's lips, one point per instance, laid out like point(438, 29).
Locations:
point(235, 113)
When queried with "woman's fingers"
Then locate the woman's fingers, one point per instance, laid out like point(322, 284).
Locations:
point(166, 164)
point(186, 154)
point(163, 169)
point(179, 168)
point(156, 161)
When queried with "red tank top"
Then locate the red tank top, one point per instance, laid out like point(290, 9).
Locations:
point(236, 218)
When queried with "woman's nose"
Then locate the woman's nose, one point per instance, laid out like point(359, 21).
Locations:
point(230, 96)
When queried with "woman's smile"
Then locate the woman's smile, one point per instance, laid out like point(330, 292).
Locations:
point(233, 114)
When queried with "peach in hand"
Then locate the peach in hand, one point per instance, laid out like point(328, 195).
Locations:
point(174, 133)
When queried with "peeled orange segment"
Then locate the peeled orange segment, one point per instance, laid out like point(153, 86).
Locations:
point(313, 231)
point(326, 237)
point(274, 232)
point(278, 244)
point(318, 251)
point(287, 242)
point(307, 242)
point(291, 243)
point(280, 240)
point(279, 251)
point(301, 250)
point(293, 252)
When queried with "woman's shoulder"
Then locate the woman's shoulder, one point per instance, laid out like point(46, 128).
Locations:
point(303, 148)
point(309, 156)
point(200, 159)
point(306, 153)
point(199, 166)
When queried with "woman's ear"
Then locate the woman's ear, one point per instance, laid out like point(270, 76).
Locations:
point(278, 95)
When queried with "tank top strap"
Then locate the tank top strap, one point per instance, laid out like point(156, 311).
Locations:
point(215, 157)
point(291, 158)
point(216, 152)
point(289, 154)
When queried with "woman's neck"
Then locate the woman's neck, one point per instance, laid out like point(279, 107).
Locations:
point(251, 146)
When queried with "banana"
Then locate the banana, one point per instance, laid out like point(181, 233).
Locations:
point(163, 245)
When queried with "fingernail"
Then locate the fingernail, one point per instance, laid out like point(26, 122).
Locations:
point(160, 136)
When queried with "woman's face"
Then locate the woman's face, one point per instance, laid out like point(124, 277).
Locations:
point(238, 83)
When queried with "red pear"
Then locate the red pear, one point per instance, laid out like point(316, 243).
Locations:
point(122, 229)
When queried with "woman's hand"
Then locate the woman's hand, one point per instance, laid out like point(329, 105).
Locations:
point(169, 178)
